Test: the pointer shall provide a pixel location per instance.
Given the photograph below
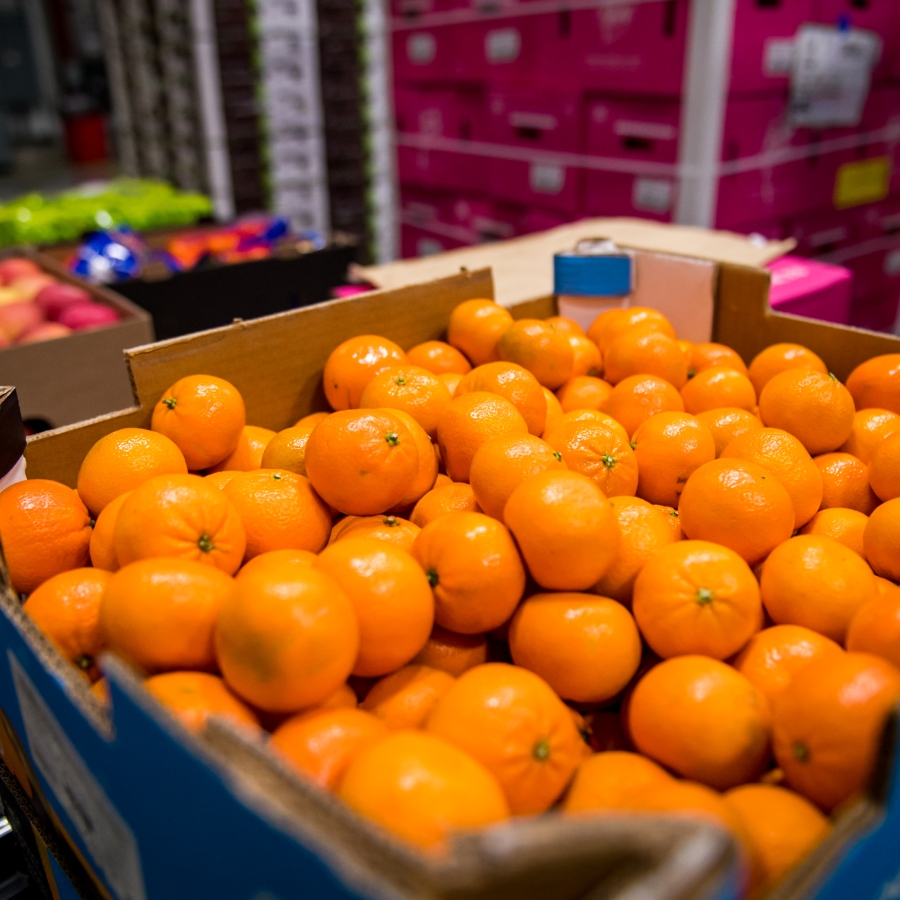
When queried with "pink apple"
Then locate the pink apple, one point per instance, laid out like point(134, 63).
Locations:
point(87, 315)
point(17, 318)
point(10, 295)
point(46, 331)
point(56, 297)
point(16, 267)
point(29, 286)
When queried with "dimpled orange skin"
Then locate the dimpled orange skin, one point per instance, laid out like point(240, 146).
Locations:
point(669, 448)
point(248, 456)
point(468, 422)
point(565, 529)
point(737, 504)
point(588, 359)
point(817, 409)
point(443, 500)
point(876, 627)
point(405, 698)
point(554, 409)
point(615, 322)
point(584, 392)
point(180, 516)
point(884, 470)
point(451, 652)
point(361, 462)
point(816, 582)
point(787, 459)
point(599, 453)
point(778, 358)
point(275, 559)
point(672, 520)
point(501, 464)
point(609, 780)
point(696, 597)
point(513, 383)
point(718, 387)
point(219, 479)
point(439, 358)
point(102, 546)
point(427, 471)
point(512, 722)
point(399, 532)
point(287, 450)
point(422, 789)
point(702, 719)
point(870, 428)
point(541, 349)
point(585, 647)
point(476, 327)
point(392, 598)
point(160, 614)
point(204, 416)
point(474, 569)
point(565, 325)
point(414, 390)
point(876, 383)
point(192, 697)
point(353, 364)
point(645, 351)
point(706, 356)
point(845, 483)
point(588, 416)
point(286, 639)
point(828, 724)
point(66, 608)
point(847, 526)
point(322, 744)
point(123, 460)
point(728, 423)
point(882, 540)
point(773, 656)
point(639, 397)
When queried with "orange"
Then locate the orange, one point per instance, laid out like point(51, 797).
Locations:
point(584, 392)
point(696, 597)
point(123, 460)
point(672, 520)
point(310, 421)
point(321, 745)
point(588, 360)
point(591, 416)
point(645, 351)
point(598, 452)
point(817, 409)
point(884, 586)
point(773, 656)
point(881, 540)
point(585, 647)
point(422, 789)
point(160, 614)
point(728, 423)
point(362, 462)
point(510, 720)
point(45, 530)
point(66, 608)
point(343, 698)
point(501, 464)
point(476, 327)
point(669, 448)
point(451, 652)
point(276, 559)
point(708, 355)
point(554, 409)
point(427, 472)
point(845, 483)
point(248, 455)
point(876, 383)
point(279, 511)
point(779, 358)
point(540, 348)
point(470, 420)
point(513, 383)
point(451, 380)
point(639, 397)
point(102, 546)
point(182, 516)
point(870, 428)
point(787, 459)
point(399, 532)
point(204, 416)
point(738, 504)
point(192, 697)
point(391, 596)
point(439, 358)
point(875, 628)
point(828, 725)
point(615, 322)
point(883, 474)
point(718, 387)
point(610, 780)
point(565, 325)
point(703, 720)
point(565, 529)
point(287, 450)
point(847, 526)
point(474, 569)
point(286, 638)
point(413, 390)
point(353, 364)
point(781, 825)
point(442, 500)
point(406, 698)
point(816, 582)
point(218, 479)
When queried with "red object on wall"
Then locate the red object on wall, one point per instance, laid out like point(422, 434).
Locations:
point(86, 137)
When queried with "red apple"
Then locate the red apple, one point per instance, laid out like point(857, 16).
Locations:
point(87, 315)
point(17, 318)
point(46, 331)
point(16, 267)
point(54, 298)
point(29, 286)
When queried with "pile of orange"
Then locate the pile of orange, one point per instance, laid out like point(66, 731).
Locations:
point(527, 569)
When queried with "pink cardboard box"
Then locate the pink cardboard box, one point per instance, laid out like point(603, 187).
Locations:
point(880, 16)
point(824, 232)
point(877, 312)
point(812, 289)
